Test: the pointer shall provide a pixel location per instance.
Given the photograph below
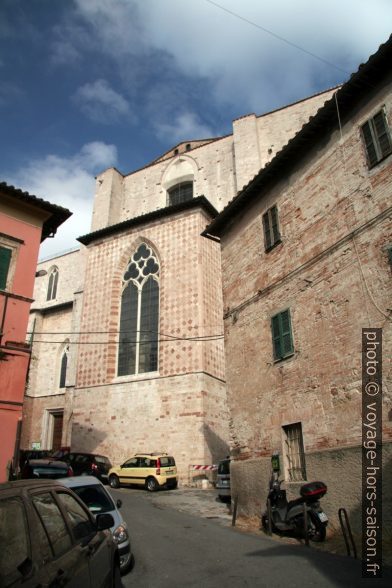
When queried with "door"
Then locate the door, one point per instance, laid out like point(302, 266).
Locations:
point(94, 546)
point(69, 565)
point(129, 473)
point(57, 430)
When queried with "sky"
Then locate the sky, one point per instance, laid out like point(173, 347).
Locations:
point(89, 84)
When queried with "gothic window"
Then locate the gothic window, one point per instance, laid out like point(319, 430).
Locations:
point(180, 193)
point(63, 367)
point(139, 318)
point(52, 284)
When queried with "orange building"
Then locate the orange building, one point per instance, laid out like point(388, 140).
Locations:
point(25, 221)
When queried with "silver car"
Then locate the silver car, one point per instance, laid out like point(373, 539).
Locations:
point(94, 494)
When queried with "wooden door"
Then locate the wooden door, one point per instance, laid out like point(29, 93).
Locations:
point(57, 431)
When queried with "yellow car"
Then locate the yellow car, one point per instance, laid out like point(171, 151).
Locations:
point(151, 470)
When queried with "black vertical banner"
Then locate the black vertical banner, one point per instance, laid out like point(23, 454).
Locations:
point(372, 453)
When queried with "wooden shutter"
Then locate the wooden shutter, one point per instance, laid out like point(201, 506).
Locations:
point(267, 231)
point(382, 134)
point(5, 261)
point(369, 144)
point(274, 223)
point(276, 337)
point(287, 341)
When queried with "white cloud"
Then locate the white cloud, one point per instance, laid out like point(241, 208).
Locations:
point(184, 126)
point(240, 60)
point(68, 182)
point(100, 102)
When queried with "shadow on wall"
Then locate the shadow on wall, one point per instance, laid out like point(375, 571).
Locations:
point(86, 438)
point(218, 448)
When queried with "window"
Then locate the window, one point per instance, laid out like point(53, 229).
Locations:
point(180, 193)
point(294, 452)
point(282, 337)
point(377, 138)
point(53, 522)
point(78, 519)
point(14, 540)
point(52, 284)
point(63, 367)
point(5, 262)
point(271, 228)
point(138, 347)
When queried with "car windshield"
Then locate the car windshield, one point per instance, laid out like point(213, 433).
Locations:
point(224, 467)
point(95, 498)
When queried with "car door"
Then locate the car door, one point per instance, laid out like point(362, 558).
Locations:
point(129, 473)
point(96, 546)
point(69, 565)
point(21, 560)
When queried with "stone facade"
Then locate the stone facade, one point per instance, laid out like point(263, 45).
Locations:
point(331, 269)
point(181, 408)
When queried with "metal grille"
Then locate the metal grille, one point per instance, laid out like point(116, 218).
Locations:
point(295, 455)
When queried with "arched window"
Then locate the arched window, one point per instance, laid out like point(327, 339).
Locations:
point(138, 347)
point(181, 193)
point(52, 284)
point(63, 367)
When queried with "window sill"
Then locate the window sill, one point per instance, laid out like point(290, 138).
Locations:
point(135, 377)
point(271, 247)
point(280, 359)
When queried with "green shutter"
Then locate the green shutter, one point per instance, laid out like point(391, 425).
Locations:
point(5, 261)
point(274, 223)
point(281, 335)
point(369, 144)
point(381, 131)
point(267, 232)
point(287, 340)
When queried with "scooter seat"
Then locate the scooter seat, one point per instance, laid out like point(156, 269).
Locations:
point(295, 502)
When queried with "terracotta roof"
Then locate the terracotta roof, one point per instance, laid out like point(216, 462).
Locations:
point(200, 201)
point(323, 122)
point(58, 214)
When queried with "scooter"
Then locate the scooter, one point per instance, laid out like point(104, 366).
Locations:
point(288, 516)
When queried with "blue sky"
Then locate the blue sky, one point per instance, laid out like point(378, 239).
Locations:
point(86, 84)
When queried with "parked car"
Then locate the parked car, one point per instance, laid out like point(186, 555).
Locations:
point(151, 470)
point(223, 480)
point(99, 500)
point(26, 454)
point(46, 468)
point(88, 464)
point(48, 537)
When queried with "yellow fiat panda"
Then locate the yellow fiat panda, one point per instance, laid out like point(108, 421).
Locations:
point(151, 470)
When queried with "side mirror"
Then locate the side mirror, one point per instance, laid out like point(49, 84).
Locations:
point(104, 521)
point(119, 503)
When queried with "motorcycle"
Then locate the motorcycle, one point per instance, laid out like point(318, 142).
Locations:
point(288, 516)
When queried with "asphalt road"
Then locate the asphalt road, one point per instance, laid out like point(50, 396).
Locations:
point(174, 548)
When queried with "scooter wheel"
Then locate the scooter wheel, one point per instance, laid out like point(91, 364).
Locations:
point(316, 529)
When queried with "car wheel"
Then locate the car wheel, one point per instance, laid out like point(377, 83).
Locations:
point(114, 482)
point(152, 485)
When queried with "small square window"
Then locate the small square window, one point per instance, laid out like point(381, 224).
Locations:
point(282, 337)
point(294, 454)
point(377, 138)
point(271, 228)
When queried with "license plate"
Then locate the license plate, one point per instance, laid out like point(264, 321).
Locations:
point(168, 472)
point(323, 517)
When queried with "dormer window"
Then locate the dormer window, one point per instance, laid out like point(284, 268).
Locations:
point(175, 151)
point(188, 147)
point(180, 193)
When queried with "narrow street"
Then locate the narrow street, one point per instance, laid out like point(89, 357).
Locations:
point(184, 538)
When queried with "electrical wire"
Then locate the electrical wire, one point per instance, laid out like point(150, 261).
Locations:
point(279, 37)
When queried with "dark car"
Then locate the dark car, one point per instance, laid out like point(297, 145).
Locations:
point(88, 464)
point(46, 468)
point(26, 454)
point(223, 480)
point(48, 537)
